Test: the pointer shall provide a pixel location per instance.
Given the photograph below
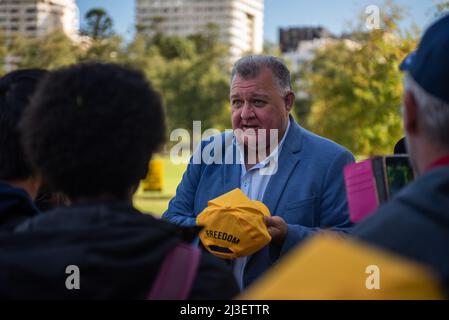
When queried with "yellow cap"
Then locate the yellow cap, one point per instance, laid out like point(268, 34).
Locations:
point(234, 226)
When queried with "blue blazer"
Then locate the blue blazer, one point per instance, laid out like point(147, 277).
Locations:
point(307, 191)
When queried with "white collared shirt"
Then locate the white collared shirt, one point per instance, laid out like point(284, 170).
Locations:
point(254, 184)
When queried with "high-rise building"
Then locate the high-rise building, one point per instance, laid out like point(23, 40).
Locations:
point(36, 18)
point(300, 44)
point(240, 21)
point(290, 38)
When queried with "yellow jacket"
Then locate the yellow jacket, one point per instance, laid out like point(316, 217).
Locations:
point(332, 267)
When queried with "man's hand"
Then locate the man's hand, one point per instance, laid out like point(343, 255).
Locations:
point(277, 228)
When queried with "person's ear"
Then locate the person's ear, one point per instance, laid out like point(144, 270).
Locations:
point(289, 100)
point(410, 113)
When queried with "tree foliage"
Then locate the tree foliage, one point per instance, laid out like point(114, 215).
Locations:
point(351, 90)
point(99, 24)
point(355, 88)
point(442, 8)
point(52, 51)
point(103, 49)
point(191, 73)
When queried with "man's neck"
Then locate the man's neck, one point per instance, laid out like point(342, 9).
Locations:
point(428, 155)
point(432, 162)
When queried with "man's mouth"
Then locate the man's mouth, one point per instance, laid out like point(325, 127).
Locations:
point(249, 127)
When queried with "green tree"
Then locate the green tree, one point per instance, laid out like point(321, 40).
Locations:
point(174, 47)
point(442, 8)
point(105, 46)
point(98, 24)
point(194, 81)
point(356, 87)
point(191, 73)
point(143, 55)
point(52, 51)
point(207, 39)
point(103, 50)
point(3, 52)
point(195, 90)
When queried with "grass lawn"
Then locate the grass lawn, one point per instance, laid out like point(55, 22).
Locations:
point(157, 202)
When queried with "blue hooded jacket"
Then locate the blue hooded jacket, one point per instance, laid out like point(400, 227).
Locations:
point(415, 224)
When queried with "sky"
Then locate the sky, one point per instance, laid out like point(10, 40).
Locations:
point(332, 14)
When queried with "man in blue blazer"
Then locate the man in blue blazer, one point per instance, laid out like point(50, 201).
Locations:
point(300, 181)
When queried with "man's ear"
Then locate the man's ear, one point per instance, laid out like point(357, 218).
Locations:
point(289, 101)
point(410, 113)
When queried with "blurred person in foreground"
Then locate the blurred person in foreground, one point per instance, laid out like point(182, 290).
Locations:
point(19, 183)
point(90, 131)
point(416, 223)
point(406, 239)
point(295, 173)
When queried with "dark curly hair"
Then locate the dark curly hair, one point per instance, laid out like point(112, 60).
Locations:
point(92, 128)
point(16, 89)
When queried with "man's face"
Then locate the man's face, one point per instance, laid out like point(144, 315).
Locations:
point(259, 104)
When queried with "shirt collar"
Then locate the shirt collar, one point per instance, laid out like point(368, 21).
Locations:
point(442, 162)
point(274, 156)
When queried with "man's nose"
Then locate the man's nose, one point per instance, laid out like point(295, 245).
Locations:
point(247, 111)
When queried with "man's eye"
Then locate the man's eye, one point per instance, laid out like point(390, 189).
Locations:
point(236, 103)
point(259, 103)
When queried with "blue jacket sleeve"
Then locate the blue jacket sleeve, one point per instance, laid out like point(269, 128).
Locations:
point(333, 207)
point(181, 208)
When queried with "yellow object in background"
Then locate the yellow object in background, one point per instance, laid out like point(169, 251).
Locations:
point(331, 267)
point(234, 226)
point(154, 180)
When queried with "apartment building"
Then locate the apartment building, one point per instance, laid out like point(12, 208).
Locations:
point(290, 38)
point(240, 21)
point(36, 18)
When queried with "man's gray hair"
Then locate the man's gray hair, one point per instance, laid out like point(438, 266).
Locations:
point(433, 113)
point(250, 67)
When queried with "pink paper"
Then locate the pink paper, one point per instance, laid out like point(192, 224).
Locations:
point(361, 190)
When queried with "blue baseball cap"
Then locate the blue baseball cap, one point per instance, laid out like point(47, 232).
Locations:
point(429, 64)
